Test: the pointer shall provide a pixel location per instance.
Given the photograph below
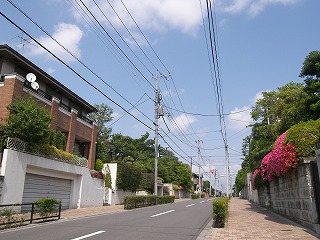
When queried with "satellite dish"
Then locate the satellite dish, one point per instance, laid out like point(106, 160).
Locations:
point(31, 77)
point(35, 85)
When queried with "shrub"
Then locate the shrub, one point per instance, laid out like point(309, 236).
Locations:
point(195, 196)
point(46, 206)
point(131, 202)
point(304, 137)
point(128, 177)
point(98, 165)
point(220, 211)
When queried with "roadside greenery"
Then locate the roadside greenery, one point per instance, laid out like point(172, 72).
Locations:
point(131, 202)
point(47, 206)
point(220, 211)
point(286, 129)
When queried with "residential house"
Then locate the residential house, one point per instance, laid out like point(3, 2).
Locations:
point(26, 177)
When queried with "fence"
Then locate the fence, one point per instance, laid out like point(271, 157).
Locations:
point(12, 216)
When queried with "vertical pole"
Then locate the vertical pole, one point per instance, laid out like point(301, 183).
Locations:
point(198, 142)
point(156, 117)
point(210, 180)
point(32, 212)
point(227, 169)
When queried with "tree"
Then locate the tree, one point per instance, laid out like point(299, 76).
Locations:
point(128, 176)
point(101, 117)
point(28, 121)
point(311, 72)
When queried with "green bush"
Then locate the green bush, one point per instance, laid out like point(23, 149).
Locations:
point(203, 195)
point(304, 136)
point(46, 206)
point(258, 181)
point(220, 211)
point(195, 196)
point(131, 202)
point(98, 165)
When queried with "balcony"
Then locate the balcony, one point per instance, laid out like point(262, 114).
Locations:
point(48, 97)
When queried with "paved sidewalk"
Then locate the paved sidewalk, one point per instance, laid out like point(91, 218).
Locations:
point(250, 221)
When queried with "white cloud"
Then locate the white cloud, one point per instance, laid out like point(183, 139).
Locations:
point(50, 70)
point(240, 118)
point(251, 7)
point(68, 35)
point(179, 123)
point(258, 6)
point(155, 16)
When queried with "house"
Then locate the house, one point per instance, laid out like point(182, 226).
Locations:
point(68, 110)
point(26, 177)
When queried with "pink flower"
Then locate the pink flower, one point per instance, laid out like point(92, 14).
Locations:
point(279, 161)
point(254, 177)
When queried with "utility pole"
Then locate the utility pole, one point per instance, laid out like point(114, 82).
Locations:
point(158, 113)
point(198, 142)
point(156, 129)
point(227, 169)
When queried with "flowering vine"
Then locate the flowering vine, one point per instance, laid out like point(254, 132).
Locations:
point(279, 161)
point(254, 177)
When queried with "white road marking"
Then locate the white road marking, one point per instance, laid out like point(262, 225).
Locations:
point(89, 235)
point(202, 202)
point(190, 205)
point(162, 213)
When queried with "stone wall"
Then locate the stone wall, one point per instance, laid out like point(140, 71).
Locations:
point(293, 197)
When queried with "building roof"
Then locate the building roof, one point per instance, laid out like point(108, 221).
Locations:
point(11, 54)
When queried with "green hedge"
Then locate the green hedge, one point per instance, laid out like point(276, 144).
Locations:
point(195, 196)
point(220, 211)
point(131, 202)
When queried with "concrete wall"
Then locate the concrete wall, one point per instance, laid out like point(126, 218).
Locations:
point(248, 192)
point(85, 191)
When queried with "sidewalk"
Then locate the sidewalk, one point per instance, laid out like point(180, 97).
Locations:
point(250, 221)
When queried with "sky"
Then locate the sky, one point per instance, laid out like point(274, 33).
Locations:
point(122, 46)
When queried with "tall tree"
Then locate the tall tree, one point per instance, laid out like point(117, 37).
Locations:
point(101, 117)
point(311, 72)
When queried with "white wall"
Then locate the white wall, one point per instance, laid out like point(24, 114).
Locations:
point(85, 191)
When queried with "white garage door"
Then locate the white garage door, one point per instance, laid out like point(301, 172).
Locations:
point(38, 186)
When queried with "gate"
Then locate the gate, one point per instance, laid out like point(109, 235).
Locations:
point(316, 186)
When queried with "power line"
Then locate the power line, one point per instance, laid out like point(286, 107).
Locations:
point(74, 71)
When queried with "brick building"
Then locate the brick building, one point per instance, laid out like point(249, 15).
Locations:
point(69, 111)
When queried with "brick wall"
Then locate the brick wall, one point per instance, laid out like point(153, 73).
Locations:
point(11, 89)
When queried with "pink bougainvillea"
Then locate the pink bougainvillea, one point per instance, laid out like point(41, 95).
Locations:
point(254, 177)
point(276, 159)
point(289, 159)
point(266, 171)
point(279, 161)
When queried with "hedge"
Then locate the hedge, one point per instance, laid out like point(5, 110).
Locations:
point(131, 202)
point(220, 211)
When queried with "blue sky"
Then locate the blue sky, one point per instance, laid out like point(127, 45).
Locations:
point(262, 45)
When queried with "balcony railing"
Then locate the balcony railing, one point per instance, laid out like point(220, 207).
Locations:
point(39, 92)
point(19, 145)
point(87, 120)
point(65, 107)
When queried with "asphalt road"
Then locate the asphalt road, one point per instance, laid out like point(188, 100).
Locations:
point(183, 220)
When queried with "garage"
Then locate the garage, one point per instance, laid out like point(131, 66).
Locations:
point(38, 186)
